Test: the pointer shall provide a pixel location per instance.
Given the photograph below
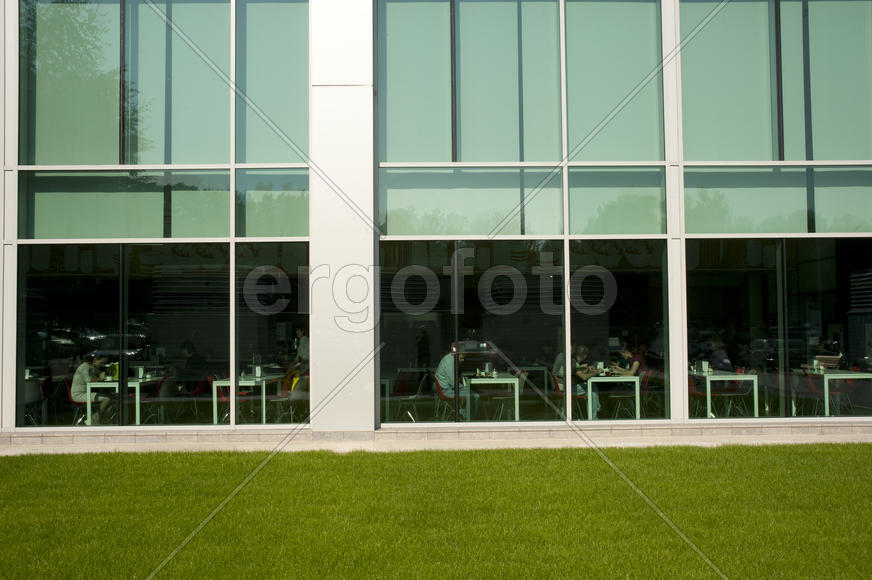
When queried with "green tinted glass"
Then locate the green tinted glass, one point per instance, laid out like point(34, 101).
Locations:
point(115, 204)
point(414, 79)
point(617, 201)
point(272, 202)
point(178, 105)
point(470, 201)
point(272, 68)
point(611, 48)
point(727, 82)
point(508, 81)
point(69, 75)
point(745, 200)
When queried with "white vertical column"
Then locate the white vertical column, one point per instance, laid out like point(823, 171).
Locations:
point(8, 225)
point(674, 203)
point(341, 214)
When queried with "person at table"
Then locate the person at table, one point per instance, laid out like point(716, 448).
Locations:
point(445, 378)
point(301, 361)
point(635, 362)
point(582, 371)
point(559, 366)
point(719, 360)
point(191, 377)
point(422, 348)
point(91, 371)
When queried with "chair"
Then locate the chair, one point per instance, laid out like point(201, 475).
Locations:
point(408, 404)
point(299, 401)
point(506, 402)
point(696, 399)
point(34, 399)
point(290, 399)
point(580, 400)
point(445, 403)
point(625, 400)
point(733, 396)
point(81, 407)
point(840, 392)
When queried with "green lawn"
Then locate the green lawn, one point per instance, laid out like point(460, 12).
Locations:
point(782, 511)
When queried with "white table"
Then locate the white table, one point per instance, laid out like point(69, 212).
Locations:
point(611, 379)
point(247, 381)
point(134, 384)
point(501, 379)
point(836, 375)
point(726, 377)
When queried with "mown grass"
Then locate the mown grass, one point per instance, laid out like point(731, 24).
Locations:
point(778, 512)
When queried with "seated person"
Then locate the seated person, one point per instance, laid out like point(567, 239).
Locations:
point(635, 362)
point(719, 359)
point(445, 378)
point(91, 370)
point(583, 370)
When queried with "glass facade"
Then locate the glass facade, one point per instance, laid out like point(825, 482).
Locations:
point(172, 294)
point(583, 210)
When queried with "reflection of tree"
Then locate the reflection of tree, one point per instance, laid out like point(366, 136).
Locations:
point(438, 221)
point(714, 211)
point(70, 62)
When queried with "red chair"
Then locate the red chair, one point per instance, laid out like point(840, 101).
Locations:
point(625, 397)
point(445, 403)
point(80, 407)
point(580, 400)
point(697, 404)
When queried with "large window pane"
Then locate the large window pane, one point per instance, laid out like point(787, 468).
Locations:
point(180, 295)
point(452, 312)
point(783, 326)
point(507, 73)
point(68, 299)
point(273, 73)
point(758, 199)
point(271, 333)
point(508, 80)
point(470, 201)
point(155, 319)
point(414, 76)
point(178, 106)
point(617, 201)
point(618, 367)
point(737, 334)
point(730, 77)
point(840, 73)
point(611, 47)
point(778, 199)
point(69, 75)
point(272, 202)
point(131, 205)
point(728, 91)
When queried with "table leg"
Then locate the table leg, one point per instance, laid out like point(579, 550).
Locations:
point(214, 404)
point(589, 397)
point(756, 398)
point(88, 398)
point(826, 396)
point(708, 397)
point(638, 410)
